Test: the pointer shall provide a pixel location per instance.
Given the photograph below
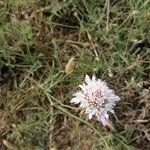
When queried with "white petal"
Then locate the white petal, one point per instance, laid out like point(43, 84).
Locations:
point(78, 94)
point(90, 116)
point(87, 79)
point(106, 115)
point(83, 103)
point(83, 87)
point(93, 78)
point(104, 119)
point(112, 111)
point(117, 98)
point(75, 100)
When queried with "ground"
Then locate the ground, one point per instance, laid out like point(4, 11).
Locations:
point(46, 49)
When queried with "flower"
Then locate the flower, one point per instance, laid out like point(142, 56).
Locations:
point(96, 98)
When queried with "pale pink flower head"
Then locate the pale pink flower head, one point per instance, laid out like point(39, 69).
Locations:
point(96, 98)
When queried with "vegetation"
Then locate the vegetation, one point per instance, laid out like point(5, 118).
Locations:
point(107, 38)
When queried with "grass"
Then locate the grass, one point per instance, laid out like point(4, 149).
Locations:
point(107, 38)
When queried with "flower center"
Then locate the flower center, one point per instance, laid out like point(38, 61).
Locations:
point(97, 94)
point(97, 99)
